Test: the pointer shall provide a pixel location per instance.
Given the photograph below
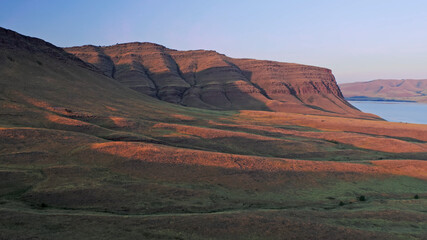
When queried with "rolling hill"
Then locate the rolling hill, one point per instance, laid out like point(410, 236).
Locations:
point(84, 155)
point(392, 89)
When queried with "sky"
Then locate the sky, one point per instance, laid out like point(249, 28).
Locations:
point(358, 40)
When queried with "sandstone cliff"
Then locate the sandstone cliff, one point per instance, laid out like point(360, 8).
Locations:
point(207, 79)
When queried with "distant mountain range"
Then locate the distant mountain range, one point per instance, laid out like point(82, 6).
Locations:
point(386, 90)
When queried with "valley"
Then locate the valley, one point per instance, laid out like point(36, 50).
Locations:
point(140, 141)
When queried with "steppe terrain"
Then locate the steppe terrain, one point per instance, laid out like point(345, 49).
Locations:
point(86, 153)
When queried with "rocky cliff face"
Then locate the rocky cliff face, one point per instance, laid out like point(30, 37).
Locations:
point(207, 79)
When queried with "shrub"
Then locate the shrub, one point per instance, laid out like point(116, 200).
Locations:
point(362, 198)
point(341, 203)
point(416, 196)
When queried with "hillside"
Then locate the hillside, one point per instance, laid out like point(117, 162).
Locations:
point(83, 156)
point(207, 79)
point(397, 90)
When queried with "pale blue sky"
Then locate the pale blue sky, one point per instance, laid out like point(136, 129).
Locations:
point(359, 40)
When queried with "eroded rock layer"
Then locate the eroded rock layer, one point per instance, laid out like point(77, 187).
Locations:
point(207, 79)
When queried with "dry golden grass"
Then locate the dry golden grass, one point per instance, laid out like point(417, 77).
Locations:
point(170, 155)
point(209, 133)
point(416, 131)
point(368, 142)
point(413, 168)
point(65, 121)
point(123, 122)
point(365, 141)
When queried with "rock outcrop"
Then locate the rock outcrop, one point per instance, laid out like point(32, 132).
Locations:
point(207, 79)
point(387, 90)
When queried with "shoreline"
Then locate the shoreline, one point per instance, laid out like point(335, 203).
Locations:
point(369, 99)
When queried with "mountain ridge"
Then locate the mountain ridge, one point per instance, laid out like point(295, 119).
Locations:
point(10, 39)
point(208, 79)
point(414, 90)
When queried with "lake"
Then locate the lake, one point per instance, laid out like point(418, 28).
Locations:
point(409, 112)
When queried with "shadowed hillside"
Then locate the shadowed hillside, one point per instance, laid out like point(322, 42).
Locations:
point(377, 90)
point(83, 156)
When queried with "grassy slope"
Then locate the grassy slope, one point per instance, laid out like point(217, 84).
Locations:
point(82, 156)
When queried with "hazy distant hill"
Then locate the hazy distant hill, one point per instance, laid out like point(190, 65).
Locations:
point(385, 89)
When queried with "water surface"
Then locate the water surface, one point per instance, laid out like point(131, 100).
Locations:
point(409, 112)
